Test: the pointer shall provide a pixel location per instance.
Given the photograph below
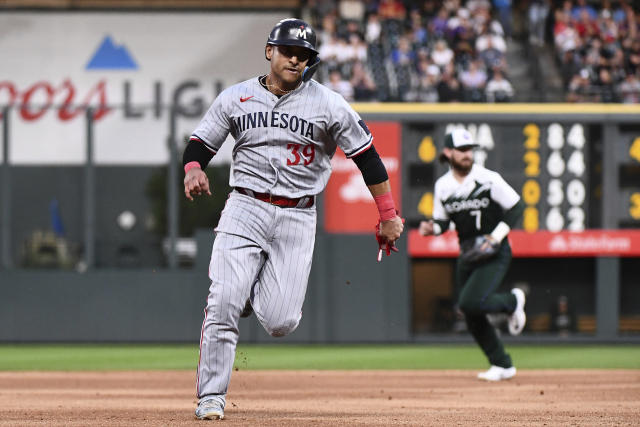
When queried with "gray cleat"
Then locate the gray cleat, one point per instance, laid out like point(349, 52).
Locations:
point(210, 408)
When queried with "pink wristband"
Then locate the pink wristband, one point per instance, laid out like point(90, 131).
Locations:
point(386, 207)
point(191, 165)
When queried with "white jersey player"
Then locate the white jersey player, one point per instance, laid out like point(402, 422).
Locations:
point(483, 208)
point(286, 129)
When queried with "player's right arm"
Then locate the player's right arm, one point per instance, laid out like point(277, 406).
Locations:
point(194, 159)
point(203, 145)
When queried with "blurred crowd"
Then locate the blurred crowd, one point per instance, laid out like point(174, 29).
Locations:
point(419, 51)
point(598, 48)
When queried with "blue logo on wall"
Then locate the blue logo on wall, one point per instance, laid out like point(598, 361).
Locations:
point(110, 56)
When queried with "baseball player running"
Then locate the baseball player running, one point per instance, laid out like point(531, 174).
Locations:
point(286, 129)
point(483, 208)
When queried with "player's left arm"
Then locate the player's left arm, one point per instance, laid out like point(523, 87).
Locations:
point(377, 180)
point(354, 138)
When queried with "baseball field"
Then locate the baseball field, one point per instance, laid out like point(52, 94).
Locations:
point(130, 385)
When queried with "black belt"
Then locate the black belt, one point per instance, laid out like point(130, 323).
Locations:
point(283, 202)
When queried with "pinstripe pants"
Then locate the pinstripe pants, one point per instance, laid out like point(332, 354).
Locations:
point(262, 252)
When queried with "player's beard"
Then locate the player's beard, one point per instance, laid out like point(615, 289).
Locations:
point(463, 167)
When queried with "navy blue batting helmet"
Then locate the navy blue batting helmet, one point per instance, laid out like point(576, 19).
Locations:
point(293, 32)
point(296, 32)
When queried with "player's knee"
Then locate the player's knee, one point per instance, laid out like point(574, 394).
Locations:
point(282, 328)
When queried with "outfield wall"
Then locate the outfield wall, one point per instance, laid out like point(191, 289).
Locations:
point(351, 297)
point(355, 301)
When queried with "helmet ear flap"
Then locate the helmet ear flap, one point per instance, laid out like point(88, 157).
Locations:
point(311, 68)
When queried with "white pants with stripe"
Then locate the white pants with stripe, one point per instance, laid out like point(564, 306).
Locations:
point(260, 251)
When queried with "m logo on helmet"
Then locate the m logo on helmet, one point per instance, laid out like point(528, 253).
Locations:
point(302, 33)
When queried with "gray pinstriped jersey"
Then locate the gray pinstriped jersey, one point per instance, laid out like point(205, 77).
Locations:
point(283, 146)
point(477, 204)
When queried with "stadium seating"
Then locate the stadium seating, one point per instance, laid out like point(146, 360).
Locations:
point(415, 51)
point(597, 47)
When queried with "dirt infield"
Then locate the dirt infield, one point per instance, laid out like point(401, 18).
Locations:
point(274, 398)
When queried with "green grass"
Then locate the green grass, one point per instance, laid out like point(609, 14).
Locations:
point(159, 357)
point(98, 357)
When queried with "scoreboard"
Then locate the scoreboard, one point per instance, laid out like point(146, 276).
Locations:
point(548, 164)
point(576, 167)
point(558, 168)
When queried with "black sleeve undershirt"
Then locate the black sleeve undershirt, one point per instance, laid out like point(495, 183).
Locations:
point(371, 167)
point(195, 151)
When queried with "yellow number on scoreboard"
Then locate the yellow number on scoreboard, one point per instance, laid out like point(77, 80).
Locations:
point(427, 150)
point(530, 221)
point(532, 160)
point(532, 132)
point(634, 209)
point(531, 192)
point(634, 150)
point(425, 207)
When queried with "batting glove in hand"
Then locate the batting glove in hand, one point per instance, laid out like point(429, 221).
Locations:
point(483, 247)
point(383, 244)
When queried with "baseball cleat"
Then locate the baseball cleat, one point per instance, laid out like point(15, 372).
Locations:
point(517, 319)
point(210, 408)
point(496, 373)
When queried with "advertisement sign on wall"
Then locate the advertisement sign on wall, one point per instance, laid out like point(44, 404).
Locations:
point(541, 244)
point(349, 207)
point(129, 67)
